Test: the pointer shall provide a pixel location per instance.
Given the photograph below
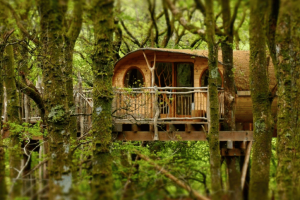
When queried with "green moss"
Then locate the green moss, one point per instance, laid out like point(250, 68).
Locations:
point(57, 114)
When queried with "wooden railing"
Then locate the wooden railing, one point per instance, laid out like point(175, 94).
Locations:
point(171, 103)
point(145, 104)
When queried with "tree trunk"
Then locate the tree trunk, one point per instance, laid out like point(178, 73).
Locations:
point(70, 39)
point(295, 94)
point(102, 13)
point(55, 94)
point(229, 100)
point(213, 137)
point(13, 108)
point(3, 191)
point(284, 133)
point(262, 119)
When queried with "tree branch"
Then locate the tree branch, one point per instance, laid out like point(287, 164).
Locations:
point(172, 177)
point(233, 18)
point(18, 21)
point(76, 23)
point(201, 7)
point(170, 26)
point(151, 8)
point(134, 40)
point(36, 97)
point(188, 26)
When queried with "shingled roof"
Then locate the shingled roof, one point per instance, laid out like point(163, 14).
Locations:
point(240, 62)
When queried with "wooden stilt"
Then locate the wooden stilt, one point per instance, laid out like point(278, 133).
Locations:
point(245, 166)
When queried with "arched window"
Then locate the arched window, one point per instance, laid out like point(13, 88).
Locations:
point(133, 78)
point(205, 76)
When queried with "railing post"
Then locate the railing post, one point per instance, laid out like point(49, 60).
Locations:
point(156, 113)
point(208, 108)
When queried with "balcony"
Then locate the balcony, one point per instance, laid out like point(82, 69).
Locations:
point(165, 105)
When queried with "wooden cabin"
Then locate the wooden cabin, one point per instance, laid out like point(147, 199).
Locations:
point(180, 87)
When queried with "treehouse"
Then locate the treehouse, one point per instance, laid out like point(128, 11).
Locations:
point(167, 89)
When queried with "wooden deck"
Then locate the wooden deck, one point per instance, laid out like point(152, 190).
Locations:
point(135, 107)
point(182, 136)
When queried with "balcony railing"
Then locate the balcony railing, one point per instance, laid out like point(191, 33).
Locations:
point(164, 103)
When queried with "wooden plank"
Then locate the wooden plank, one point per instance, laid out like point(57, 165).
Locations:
point(159, 122)
point(244, 93)
point(232, 152)
point(184, 136)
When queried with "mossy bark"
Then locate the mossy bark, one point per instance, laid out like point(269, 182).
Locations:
point(57, 114)
point(102, 14)
point(284, 131)
point(70, 40)
point(13, 109)
point(213, 135)
point(262, 119)
point(295, 94)
point(229, 99)
point(3, 190)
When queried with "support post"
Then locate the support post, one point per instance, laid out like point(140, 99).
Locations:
point(156, 111)
point(245, 166)
point(208, 109)
point(81, 119)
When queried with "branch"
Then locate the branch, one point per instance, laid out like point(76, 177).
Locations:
point(36, 97)
point(18, 21)
point(201, 7)
point(232, 20)
point(188, 26)
point(36, 167)
point(151, 9)
point(170, 26)
point(147, 37)
point(76, 23)
point(7, 35)
point(172, 177)
point(134, 40)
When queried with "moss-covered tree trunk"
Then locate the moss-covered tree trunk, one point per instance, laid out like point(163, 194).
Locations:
point(3, 191)
point(13, 109)
point(262, 119)
point(213, 135)
point(229, 99)
point(295, 94)
point(102, 14)
point(55, 94)
point(70, 40)
point(284, 131)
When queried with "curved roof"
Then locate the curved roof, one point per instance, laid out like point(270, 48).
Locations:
point(240, 62)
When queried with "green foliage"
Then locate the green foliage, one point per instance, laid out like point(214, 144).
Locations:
point(26, 129)
point(57, 114)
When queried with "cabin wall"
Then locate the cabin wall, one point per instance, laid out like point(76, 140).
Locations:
point(200, 64)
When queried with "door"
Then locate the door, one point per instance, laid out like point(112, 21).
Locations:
point(184, 78)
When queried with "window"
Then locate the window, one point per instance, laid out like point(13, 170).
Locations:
point(133, 78)
point(205, 76)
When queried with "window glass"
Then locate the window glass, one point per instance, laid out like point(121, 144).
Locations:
point(185, 74)
point(133, 79)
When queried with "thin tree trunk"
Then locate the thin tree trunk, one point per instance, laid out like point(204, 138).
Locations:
point(3, 191)
point(229, 100)
point(262, 119)
point(102, 183)
point(213, 135)
point(13, 106)
point(70, 39)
